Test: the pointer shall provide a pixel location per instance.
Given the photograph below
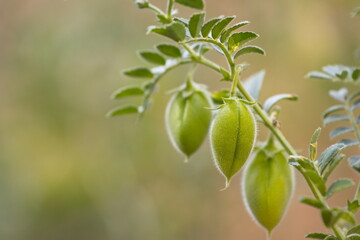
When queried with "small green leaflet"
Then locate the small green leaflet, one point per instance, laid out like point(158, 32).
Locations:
point(169, 50)
point(220, 26)
point(317, 235)
point(327, 217)
point(271, 101)
point(152, 57)
point(123, 110)
point(339, 131)
point(356, 74)
point(354, 162)
point(329, 154)
point(354, 230)
point(333, 165)
point(355, 105)
point(195, 24)
point(349, 142)
point(249, 49)
point(337, 73)
point(311, 202)
point(339, 95)
point(332, 109)
point(127, 91)
point(205, 30)
point(226, 34)
point(175, 31)
point(236, 40)
point(197, 4)
point(139, 73)
point(335, 118)
point(318, 75)
point(339, 185)
point(253, 84)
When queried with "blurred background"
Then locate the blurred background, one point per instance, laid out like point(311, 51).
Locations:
point(68, 172)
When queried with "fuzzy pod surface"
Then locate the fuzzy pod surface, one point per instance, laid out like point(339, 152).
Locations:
point(267, 186)
point(233, 135)
point(188, 118)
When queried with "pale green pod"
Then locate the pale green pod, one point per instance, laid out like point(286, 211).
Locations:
point(188, 118)
point(267, 186)
point(233, 134)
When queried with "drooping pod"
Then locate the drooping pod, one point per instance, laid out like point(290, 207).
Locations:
point(233, 134)
point(267, 185)
point(188, 118)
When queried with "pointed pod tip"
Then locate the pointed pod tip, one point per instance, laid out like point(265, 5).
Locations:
point(227, 184)
point(186, 160)
point(268, 237)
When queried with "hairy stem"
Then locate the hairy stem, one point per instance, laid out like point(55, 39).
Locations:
point(235, 81)
point(170, 8)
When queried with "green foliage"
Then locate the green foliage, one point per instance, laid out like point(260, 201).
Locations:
point(197, 4)
point(237, 40)
point(249, 49)
point(152, 57)
point(339, 185)
point(356, 12)
point(337, 73)
point(127, 91)
point(345, 110)
point(123, 111)
point(254, 83)
point(233, 131)
point(175, 31)
point(271, 101)
point(195, 24)
point(139, 73)
point(220, 26)
point(169, 50)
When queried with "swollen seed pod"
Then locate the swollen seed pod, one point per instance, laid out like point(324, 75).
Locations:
point(233, 134)
point(267, 186)
point(188, 118)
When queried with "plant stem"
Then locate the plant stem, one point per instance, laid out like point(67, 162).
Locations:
point(169, 9)
point(156, 9)
point(229, 59)
point(235, 81)
point(338, 233)
point(201, 59)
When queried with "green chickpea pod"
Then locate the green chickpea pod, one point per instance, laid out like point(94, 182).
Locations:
point(267, 185)
point(188, 118)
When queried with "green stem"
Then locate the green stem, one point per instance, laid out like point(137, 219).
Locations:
point(235, 81)
point(169, 9)
point(202, 60)
point(227, 54)
point(156, 10)
point(338, 233)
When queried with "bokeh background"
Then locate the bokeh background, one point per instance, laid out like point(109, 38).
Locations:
point(68, 172)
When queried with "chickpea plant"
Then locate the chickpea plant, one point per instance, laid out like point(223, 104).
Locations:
point(231, 116)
